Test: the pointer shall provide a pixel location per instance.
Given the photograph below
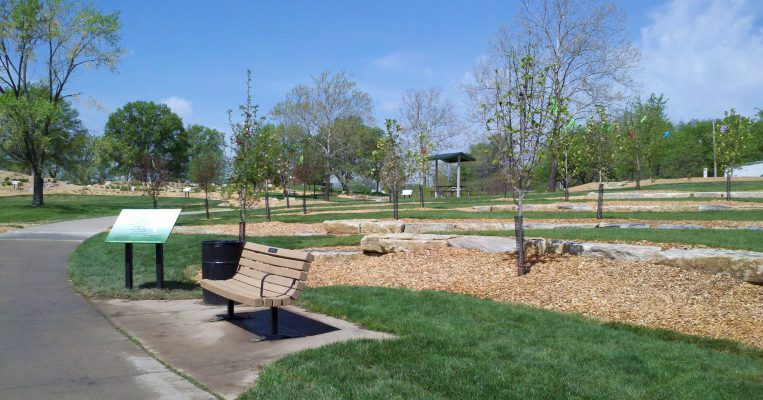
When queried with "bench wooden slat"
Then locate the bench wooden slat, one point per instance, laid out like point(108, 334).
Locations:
point(269, 290)
point(287, 272)
point(281, 262)
point(231, 290)
point(284, 253)
point(272, 279)
point(270, 298)
point(230, 293)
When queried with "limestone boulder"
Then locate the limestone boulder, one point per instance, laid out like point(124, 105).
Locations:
point(621, 225)
point(614, 251)
point(344, 227)
point(426, 227)
point(490, 244)
point(402, 242)
point(483, 226)
point(482, 208)
point(382, 227)
point(575, 207)
point(745, 265)
point(678, 226)
point(713, 207)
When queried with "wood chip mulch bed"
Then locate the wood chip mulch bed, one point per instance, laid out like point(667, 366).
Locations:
point(633, 292)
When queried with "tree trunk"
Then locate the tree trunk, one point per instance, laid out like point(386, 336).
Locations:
point(394, 197)
point(242, 231)
point(206, 202)
point(327, 188)
point(39, 187)
point(286, 197)
point(304, 198)
point(421, 196)
point(153, 197)
point(519, 232)
point(552, 175)
point(600, 202)
point(267, 204)
point(728, 185)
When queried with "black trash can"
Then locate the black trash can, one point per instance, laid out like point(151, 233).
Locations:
point(219, 260)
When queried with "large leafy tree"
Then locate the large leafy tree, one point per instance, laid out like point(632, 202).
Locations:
point(358, 143)
point(317, 108)
point(42, 44)
point(148, 140)
point(589, 57)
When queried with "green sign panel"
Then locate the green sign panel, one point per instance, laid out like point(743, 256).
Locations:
point(143, 226)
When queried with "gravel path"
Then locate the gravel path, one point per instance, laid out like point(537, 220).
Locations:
point(628, 291)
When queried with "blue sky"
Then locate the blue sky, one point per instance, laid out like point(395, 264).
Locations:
point(704, 55)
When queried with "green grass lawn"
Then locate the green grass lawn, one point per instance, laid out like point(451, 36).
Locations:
point(700, 186)
point(231, 217)
point(739, 239)
point(96, 268)
point(59, 207)
point(458, 347)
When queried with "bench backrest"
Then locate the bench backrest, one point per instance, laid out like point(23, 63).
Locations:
point(407, 192)
point(287, 268)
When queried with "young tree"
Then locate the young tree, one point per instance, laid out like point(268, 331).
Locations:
point(516, 118)
point(206, 169)
point(645, 124)
point(590, 59)
point(42, 44)
point(733, 140)
point(317, 108)
point(147, 140)
point(393, 170)
point(251, 164)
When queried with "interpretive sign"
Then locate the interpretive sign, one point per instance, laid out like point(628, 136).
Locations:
point(143, 226)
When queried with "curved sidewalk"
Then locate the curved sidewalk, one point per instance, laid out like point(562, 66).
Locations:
point(53, 343)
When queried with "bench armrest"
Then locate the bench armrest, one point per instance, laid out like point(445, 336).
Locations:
point(262, 284)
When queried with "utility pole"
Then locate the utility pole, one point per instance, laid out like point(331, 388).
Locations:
point(715, 156)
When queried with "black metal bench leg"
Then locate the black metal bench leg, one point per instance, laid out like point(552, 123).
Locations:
point(230, 316)
point(274, 335)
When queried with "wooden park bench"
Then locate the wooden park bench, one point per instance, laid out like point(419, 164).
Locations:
point(266, 277)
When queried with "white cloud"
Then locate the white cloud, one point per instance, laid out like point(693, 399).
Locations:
point(706, 56)
point(395, 61)
point(179, 106)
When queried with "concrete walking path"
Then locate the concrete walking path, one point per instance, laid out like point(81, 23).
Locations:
point(53, 343)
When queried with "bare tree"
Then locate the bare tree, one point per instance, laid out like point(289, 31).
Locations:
point(428, 124)
point(317, 108)
point(590, 59)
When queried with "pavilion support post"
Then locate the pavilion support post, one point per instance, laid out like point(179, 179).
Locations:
point(458, 178)
point(436, 178)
